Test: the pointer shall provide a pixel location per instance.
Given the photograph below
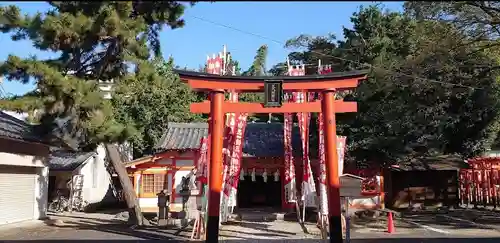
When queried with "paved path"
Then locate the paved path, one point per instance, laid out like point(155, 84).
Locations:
point(458, 223)
point(454, 227)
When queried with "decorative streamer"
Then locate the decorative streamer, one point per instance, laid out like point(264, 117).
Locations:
point(264, 175)
point(234, 165)
point(308, 186)
point(201, 165)
point(289, 179)
point(229, 134)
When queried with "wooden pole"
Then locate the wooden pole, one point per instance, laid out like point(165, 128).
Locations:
point(215, 166)
point(135, 213)
point(331, 161)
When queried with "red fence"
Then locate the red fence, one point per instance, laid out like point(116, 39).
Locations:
point(480, 185)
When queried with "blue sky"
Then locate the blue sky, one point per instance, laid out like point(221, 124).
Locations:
point(190, 45)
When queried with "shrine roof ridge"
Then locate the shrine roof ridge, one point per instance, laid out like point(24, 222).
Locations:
point(259, 79)
point(261, 139)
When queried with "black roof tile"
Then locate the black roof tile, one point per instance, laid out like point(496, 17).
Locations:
point(62, 160)
point(424, 163)
point(13, 128)
point(261, 139)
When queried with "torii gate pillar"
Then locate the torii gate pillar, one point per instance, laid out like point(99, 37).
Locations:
point(217, 107)
point(215, 165)
point(331, 162)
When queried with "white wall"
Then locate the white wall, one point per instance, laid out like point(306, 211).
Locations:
point(41, 189)
point(178, 184)
point(174, 182)
point(22, 160)
point(95, 191)
point(41, 193)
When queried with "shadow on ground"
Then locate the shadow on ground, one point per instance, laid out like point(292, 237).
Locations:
point(119, 227)
point(405, 240)
point(84, 224)
point(76, 223)
point(457, 219)
point(258, 226)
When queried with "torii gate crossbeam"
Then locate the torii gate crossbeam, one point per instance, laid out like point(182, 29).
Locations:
point(326, 84)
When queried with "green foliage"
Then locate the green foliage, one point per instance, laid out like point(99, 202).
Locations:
point(408, 106)
point(95, 41)
point(478, 21)
point(148, 100)
point(258, 68)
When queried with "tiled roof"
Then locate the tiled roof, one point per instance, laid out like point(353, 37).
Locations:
point(180, 136)
point(443, 162)
point(61, 160)
point(261, 139)
point(13, 128)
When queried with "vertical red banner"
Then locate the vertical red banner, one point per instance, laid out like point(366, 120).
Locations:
point(236, 124)
point(201, 162)
point(308, 184)
point(290, 177)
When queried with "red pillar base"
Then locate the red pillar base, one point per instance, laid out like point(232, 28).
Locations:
point(212, 229)
point(335, 227)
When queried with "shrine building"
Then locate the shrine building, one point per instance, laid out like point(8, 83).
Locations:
point(176, 157)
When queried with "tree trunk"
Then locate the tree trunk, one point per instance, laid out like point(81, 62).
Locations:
point(134, 210)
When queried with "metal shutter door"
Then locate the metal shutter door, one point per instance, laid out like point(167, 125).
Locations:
point(17, 193)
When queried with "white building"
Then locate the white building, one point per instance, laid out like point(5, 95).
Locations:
point(88, 170)
point(23, 171)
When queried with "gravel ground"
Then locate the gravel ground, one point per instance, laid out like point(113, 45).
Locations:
point(451, 227)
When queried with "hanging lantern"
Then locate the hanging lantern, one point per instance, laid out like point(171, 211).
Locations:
point(264, 175)
point(277, 175)
point(253, 174)
point(242, 174)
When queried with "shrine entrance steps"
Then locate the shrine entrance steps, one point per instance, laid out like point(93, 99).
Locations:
point(268, 214)
point(261, 214)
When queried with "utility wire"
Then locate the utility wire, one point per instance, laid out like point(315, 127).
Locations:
point(282, 44)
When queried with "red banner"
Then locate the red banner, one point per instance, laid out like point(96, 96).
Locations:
point(232, 158)
point(201, 163)
point(234, 165)
point(308, 185)
point(290, 188)
point(215, 65)
point(229, 133)
point(289, 179)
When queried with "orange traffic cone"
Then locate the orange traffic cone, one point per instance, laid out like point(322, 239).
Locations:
point(390, 224)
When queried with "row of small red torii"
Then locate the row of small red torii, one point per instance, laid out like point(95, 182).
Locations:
point(233, 136)
point(480, 184)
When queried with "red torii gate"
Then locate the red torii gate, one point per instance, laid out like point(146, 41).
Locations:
point(479, 183)
point(273, 86)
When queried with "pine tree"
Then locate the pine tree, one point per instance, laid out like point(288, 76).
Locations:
point(95, 41)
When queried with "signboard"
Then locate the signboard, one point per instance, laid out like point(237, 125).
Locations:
point(350, 185)
point(273, 93)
